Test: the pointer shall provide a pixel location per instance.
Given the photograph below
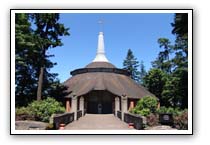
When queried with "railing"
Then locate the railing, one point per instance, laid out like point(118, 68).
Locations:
point(135, 119)
point(119, 115)
point(65, 118)
point(79, 114)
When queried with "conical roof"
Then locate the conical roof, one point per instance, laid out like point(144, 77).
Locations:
point(102, 75)
point(100, 65)
point(118, 84)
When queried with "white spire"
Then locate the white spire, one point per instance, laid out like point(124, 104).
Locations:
point(100, 55)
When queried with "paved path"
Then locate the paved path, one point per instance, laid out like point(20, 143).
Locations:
point(98, 122)
point(30, 125)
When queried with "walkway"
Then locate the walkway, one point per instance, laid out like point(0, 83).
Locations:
point(98, 122)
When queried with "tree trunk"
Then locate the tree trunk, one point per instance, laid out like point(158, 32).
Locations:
point(40, 82)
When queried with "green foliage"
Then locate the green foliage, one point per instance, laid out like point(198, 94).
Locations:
point(155, 81)
point(41, 110)
point(175, 90)
point(31, 43)
point(24, 61)
point(142, 73)
point(163, 61)
point(147, 102)
point(47, 33)
point(174, 111)
point(168, 79)
point(22, 111)
point(131, 65)
point(145, 106)
point(144, 112)
point(45, 108)
point(180, 25)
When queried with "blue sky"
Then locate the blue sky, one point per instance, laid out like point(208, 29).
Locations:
point(139, 32)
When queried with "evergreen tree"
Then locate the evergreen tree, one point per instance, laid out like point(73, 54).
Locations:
point(30, 56)
point(163, 60)
point(155, 81)
point(25, 79)
point(175, 89)
point(180, 61)
point(131, 65)
point(47, 31)
point(142, 73)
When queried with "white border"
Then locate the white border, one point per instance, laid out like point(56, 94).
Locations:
point(189, 131)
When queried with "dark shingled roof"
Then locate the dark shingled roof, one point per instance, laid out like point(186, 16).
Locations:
point(118, 84)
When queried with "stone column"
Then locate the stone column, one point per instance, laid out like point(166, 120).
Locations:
point(117, 105)
point(74, 106)
point(68, 107)
point(81, 105)
point(124, 105)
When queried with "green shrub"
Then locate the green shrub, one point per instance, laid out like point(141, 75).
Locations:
point(145, 106)
point(39, 110)
point(147, 102)
point(162, 109)
point(43, 109)
point(144, 112)
point(23, 113)
point(174, 111)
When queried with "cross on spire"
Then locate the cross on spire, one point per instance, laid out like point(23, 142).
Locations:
point(100, 55)
point(101, 22)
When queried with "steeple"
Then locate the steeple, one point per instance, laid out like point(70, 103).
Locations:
point(100, 55)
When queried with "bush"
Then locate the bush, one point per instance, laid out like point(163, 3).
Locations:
point(152, 120)
point(144, 112)
point(23, 113)
point(43, 109)
point(40, 110)
point(147, 102)
point(181, 120)
point(145, 106)
point(162, 109)
point(174, 111)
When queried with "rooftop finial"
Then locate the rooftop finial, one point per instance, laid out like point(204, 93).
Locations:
point(101, 22)
point(100, 55)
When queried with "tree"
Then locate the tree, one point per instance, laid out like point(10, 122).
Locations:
point(180, 29)
point(163, 60)
point(29, 56)
point(142, 73)
point(25, 87)
point(174, 92)
point(47, 32)
point(131, 65)
point(180, 61)
point(155, 81)
point(180, 25)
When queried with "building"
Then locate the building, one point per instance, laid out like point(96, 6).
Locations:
point(102, 88)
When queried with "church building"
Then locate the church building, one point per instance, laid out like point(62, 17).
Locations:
point(101, 88)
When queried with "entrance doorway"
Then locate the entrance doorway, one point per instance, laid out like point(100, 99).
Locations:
point(100, 102)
